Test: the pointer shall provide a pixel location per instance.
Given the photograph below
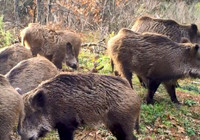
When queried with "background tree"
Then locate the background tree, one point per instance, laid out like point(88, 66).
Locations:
point(16, 11)
point(40, 12)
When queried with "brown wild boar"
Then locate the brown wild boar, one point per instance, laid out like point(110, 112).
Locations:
point(80, 99)
point(175, 31)
point(57, 47)
point(154, 58)
point(74, 39)
point(12, 55)
point(11, 107)
point(170, 28)
point(28, 74)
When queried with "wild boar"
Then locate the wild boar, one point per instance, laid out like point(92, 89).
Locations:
point(170, 28)
point(28, 74)
point(155, 59)
point(175, 31)
point(74, 39)
point(12, 55)
point(72, 99)
point(57, 47)
point(11, 107)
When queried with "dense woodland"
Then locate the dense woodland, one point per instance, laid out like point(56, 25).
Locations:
point(96, 21)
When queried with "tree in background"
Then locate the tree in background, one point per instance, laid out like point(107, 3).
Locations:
point(41, 18)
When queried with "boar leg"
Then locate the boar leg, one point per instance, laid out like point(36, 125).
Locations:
point(152, 87)
point(112, 65)
point(170, 87)
point(142, 82)
point(116, 73)
point(121, 130)
point(128, 75)
point(57, 62)
point(66, 132)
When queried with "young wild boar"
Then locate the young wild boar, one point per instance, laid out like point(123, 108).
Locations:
point(11, 107)
point(28, 74)
point(72, 99)
point(167, 27)
point(55, 46)
point(74, 39)
point(11, 56)
point(154, 58)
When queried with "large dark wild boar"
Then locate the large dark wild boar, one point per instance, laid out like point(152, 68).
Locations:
point(175, 31)
point(167, 27)
point(28, 74)
point(50, 44)
point(155, 59)
point(12, 55)
point(80, 99)
point(11, 107)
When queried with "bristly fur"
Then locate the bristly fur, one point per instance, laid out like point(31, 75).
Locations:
point(12, 55)
point(170, 28)
point(11, 108)
point(52, 44)
point(28, 74)
point(153, 57)
point(82, 99)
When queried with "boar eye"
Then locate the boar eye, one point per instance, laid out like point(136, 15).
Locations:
point(69, 46)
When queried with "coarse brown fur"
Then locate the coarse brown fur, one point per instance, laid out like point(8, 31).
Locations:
point(154, 58)
point(28, 74)
point(72, 99)
point(12, 55)
point(11, 107)
point(56, 46)
point(170, 28)
point(175, 31)
point(73, 38)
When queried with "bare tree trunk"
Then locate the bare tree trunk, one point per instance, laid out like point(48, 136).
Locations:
point(16, 11)
point(49, 14)
point(34, 14)
point(40, 12)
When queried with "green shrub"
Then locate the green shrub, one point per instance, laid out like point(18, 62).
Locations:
point(5, 36)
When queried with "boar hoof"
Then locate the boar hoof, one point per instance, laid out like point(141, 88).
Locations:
point(176, 102)
point(150, 101)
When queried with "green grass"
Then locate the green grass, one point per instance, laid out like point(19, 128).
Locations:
point(88, 61)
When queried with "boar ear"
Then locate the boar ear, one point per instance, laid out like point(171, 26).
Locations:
point(194, 28)
point(38, 100)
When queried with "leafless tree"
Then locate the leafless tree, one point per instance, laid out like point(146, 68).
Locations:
point(40, 11)
point(16, 11)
